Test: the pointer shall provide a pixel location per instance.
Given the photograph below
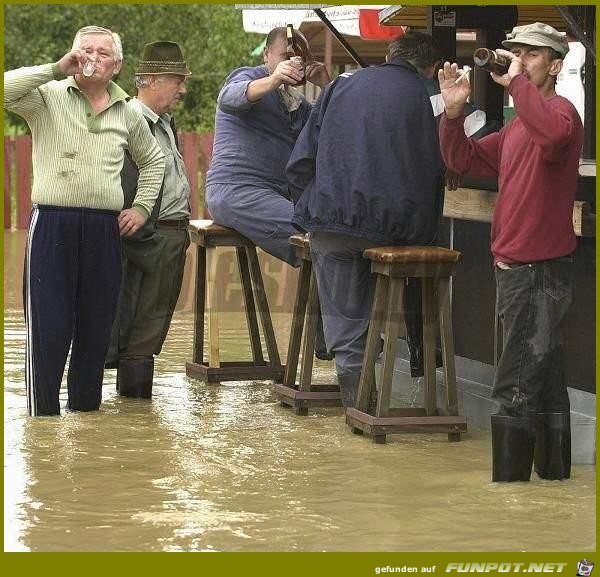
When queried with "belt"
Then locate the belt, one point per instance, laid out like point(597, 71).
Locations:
point(180, 224)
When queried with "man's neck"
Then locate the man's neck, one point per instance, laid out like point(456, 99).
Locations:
point(547, 91)
point(92, 90)
point(144, 99)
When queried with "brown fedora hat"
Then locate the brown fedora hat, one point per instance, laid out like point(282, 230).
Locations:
point(162, 58)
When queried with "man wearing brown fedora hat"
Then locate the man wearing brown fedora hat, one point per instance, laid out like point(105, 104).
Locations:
point(153, 258)
point(535, 158)
point(80, 124)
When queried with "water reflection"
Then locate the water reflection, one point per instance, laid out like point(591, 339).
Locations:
point(225, 468)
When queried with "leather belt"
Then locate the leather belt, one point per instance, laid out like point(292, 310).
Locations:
point(180, 224)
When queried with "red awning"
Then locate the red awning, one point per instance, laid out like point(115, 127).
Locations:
point(370, 29)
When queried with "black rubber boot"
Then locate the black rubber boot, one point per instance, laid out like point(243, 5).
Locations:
point(349, 389)
point(553, 446)
point(513, 441)
point(134, 378)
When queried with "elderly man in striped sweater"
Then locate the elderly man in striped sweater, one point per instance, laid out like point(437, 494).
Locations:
point(80, 125)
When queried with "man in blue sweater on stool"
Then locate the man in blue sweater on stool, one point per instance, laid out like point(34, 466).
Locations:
point(259, 117)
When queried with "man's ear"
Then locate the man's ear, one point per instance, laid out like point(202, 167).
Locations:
point(429, 71)
point(555, 67)
point(118, 66)
point(265, 50)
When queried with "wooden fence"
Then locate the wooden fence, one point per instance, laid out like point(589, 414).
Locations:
point(196, 150)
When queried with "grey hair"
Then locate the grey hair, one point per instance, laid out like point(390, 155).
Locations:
point(142, 80)
point(117, 45)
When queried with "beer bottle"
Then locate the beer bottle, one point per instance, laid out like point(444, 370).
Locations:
point(294, 52)
point(490, 61)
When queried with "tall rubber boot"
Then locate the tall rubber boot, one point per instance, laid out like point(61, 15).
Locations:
point(348, 389)
point(134, 377)
point(553, 446)
point(513, 442)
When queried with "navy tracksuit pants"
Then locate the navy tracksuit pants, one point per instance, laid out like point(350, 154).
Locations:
point(71, 284)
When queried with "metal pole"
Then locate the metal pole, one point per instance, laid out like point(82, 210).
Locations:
point(340, 38)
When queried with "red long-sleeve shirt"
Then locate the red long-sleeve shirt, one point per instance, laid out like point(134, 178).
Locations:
point(536, 160)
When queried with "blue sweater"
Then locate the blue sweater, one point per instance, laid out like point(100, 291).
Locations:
point(368, 163)
point(253, 140)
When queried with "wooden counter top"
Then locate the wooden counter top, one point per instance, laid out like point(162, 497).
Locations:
point(478, 205)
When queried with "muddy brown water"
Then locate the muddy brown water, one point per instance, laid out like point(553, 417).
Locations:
point(225, 468)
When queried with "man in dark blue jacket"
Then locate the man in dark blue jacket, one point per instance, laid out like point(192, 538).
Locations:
point(366, 171)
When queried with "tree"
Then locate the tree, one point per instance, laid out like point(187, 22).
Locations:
point(212, 38)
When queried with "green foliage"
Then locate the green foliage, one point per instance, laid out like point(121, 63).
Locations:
point(212, 38)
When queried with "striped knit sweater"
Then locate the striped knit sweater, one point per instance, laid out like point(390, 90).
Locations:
point(77, 155)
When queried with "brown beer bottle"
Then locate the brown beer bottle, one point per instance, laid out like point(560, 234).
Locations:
point(490, 61)
point(294, 52)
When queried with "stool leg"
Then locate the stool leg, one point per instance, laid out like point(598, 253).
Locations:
point(199, 305)
point(291, 363)
point(448, 351)
point(263, 307)
point(213, 308)
point(429, 345)
point(367, 374)
point(393, 321)
point(310, 334)
point(257, 355)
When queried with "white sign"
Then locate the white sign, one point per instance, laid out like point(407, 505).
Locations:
point(344, 18)
point(444, 18)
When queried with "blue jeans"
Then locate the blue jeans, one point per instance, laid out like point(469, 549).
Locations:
point(532, 300)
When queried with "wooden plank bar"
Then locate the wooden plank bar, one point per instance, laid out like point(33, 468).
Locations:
point(584, 220)
point(478, 205)
point(470, 204)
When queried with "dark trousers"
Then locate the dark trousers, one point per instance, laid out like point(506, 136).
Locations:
point(259, 213)
point(532, 300)
point(147, 299)
point(70, 288)
point(346, 290)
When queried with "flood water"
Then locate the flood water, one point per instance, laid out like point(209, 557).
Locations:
point(225, 468)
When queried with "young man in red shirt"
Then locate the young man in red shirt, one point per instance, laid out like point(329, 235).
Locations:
point(535, 158)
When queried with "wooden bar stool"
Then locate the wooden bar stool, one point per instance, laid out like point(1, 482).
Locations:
point(392, 265)
point(306, 309)
point(208, 237)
